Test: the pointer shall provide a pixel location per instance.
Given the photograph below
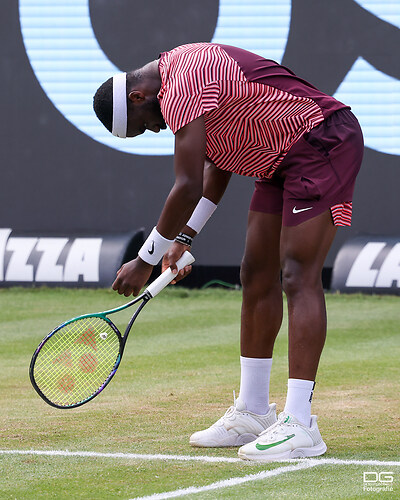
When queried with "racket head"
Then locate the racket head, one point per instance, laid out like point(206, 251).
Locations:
point(76, 361)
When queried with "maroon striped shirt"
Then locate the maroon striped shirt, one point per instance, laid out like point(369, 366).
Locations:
point(254, 109)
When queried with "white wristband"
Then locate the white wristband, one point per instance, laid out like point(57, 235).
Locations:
point(203, 211)
point(154, 247)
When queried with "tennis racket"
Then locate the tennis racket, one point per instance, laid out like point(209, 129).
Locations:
point(77, 360)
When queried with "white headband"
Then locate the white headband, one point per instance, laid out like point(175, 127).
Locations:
point(120, 112)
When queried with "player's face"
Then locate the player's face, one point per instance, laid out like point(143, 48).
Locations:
point(145, 116)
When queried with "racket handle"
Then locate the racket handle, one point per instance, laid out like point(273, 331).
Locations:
point(167, 276)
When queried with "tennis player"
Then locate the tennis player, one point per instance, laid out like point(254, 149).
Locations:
point(232, 111)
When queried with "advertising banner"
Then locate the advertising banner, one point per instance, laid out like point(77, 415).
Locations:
point(78, 261)
point(63, 172)
point(368, 264)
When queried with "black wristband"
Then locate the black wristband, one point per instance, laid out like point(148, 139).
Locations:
point(185, 239)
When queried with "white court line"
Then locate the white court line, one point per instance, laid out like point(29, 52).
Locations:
point(231, 482)
point(185, 458)
point(300, 464)
point(337, 461)
point(133, 456)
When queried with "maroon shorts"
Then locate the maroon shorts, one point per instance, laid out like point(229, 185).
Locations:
point(317, 174)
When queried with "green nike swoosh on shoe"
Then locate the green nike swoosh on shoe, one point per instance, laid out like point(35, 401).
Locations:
point(263, 447)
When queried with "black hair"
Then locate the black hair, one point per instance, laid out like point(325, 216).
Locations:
point(103, 104)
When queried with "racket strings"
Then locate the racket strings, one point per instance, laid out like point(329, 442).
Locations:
point(77, 360)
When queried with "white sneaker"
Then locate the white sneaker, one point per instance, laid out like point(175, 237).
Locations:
point(287, 438)
point(237, 427)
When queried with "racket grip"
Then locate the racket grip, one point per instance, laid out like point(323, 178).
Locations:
point(167, 276)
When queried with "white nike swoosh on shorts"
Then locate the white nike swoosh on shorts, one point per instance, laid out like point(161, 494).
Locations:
point(297, 211)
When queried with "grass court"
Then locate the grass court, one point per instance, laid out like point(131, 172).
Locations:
point(179, 369)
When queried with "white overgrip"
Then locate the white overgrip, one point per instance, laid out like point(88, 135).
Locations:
point(167, 276)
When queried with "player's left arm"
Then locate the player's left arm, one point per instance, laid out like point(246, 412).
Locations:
point(190, 152)
point(215, 183)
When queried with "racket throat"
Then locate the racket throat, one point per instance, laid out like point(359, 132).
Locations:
point(145, 299)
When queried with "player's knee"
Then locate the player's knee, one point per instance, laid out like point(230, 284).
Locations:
point(296, 278)
point(258, 279)
point(289, 279)
point(247, 273)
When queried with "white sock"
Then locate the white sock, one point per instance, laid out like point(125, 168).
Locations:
point(298, 400)
point(254, 384)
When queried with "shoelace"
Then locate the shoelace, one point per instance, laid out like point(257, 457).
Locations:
point(231, 409)
point(276, 428)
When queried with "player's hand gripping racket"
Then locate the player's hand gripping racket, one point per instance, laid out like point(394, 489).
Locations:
point(76, 361)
